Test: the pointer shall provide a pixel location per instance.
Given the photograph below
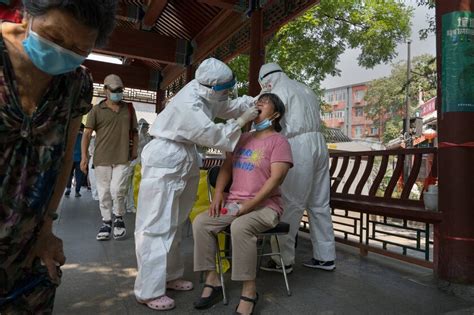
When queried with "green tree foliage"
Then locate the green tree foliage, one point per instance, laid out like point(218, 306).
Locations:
point(429, 19)
point(309, 47)
point(386, 96)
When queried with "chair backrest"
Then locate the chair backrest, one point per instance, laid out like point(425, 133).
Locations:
point(212, 174)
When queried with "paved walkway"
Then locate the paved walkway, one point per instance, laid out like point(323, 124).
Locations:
point(98, 278)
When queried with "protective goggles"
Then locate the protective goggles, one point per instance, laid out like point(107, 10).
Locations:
point(225, 86)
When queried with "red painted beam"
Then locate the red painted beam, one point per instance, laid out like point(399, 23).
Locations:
point(141, 45)
point(132, 76)
point(155, 8)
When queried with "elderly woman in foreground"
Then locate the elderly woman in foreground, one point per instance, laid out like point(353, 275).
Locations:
point(43, 94)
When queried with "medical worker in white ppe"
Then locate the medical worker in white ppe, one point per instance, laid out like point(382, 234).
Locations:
point(170, 175)
point(307, 185)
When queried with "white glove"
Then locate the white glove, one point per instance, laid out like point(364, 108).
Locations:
point(250, 114)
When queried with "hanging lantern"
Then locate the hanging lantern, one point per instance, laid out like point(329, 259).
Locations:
point(430, 134)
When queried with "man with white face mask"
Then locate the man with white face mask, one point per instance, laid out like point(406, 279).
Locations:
point(113, 121)
point(306, 186)
point(170, 175)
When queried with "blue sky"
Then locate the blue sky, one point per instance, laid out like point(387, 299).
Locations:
point(352, 73)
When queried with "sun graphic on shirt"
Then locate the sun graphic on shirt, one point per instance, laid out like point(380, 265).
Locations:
point(256, 157)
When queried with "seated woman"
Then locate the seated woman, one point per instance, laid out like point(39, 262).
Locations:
point(257, 167)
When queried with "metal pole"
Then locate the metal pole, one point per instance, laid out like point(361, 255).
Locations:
point(407, 136)
point(407, 98)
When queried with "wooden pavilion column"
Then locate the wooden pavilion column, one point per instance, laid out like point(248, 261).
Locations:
point(189, 73)
point(455, 238)
point(257, 50)
point(160, 98)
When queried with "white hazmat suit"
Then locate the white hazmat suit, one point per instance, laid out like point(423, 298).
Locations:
point(170, 172)
point(307, 184)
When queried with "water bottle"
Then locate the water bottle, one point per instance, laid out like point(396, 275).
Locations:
point(230, 209)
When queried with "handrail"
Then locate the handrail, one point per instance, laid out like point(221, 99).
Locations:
point(365, 212)
point(385, 152)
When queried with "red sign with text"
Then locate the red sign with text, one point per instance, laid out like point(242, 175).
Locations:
point(428, 107)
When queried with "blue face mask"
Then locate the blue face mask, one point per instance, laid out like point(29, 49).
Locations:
point(48, 56)
point(116, 97)
point(264, 124)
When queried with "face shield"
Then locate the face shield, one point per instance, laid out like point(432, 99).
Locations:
point(143, 127)
point(234, 92)
point(226, 90)
point(221, 94)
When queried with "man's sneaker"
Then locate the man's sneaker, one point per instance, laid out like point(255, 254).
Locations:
point(104, 231)
point(78, 194)
point(325, 265)
point(119, 228)
point(67, 193)
point(271, 265)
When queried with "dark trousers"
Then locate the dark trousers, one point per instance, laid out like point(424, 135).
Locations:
point(78, 174)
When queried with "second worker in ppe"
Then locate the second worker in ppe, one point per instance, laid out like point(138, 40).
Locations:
point(170, 174)
point(307, 184)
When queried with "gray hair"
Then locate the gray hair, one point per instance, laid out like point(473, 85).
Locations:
point(96, 14)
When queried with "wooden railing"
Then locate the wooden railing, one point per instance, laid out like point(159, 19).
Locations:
point(375, 209)
point(210, 162)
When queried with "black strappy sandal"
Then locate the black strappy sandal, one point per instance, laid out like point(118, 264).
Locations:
point(206, 302)
point(247, 299)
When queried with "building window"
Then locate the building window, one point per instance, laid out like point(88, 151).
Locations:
point(374, 131)
point(359, 95)
point(358, 131)
point(359, 112)
point(340, 95)
point(339, 114)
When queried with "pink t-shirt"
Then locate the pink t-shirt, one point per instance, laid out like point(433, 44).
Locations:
point(251, 167)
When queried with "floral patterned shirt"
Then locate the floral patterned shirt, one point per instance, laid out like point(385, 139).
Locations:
point(32, 149)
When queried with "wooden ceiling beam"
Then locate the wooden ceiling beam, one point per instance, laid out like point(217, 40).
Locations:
point(132, 76)
point(170, 73)
point(223, 4)
point(218, 30)
point(221, 28)
point(141, 45)
point(270, 32)
point(155, 8)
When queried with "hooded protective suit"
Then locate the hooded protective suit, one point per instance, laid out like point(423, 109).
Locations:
point(170, 172)
point(306, 185)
